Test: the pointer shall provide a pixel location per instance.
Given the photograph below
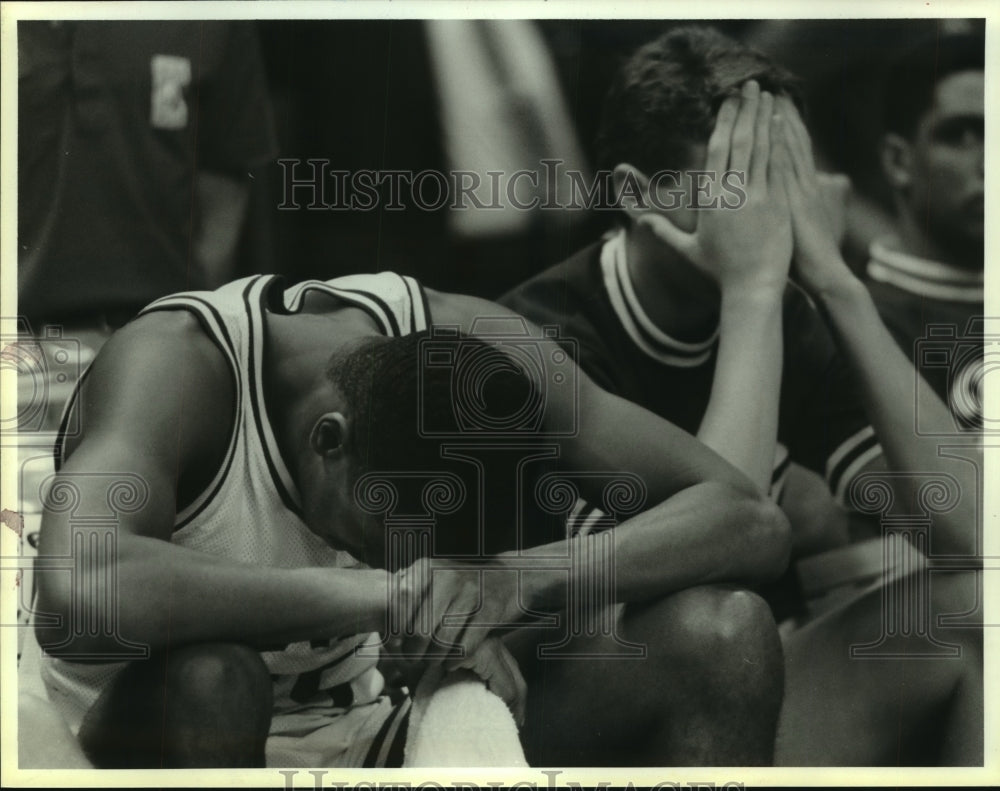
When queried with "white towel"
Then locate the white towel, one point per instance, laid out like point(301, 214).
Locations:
point(457, 721)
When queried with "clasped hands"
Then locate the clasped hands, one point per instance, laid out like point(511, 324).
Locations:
point(448, 614)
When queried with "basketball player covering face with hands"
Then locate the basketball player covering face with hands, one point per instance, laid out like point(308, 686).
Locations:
point(682, 311)
point(857, 697)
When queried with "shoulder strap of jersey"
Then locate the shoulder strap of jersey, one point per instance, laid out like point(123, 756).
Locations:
point(397, 303)
point(259, 295)
point(216, 318)
point(210, 318)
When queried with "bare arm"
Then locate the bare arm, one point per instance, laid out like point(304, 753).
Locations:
point(741, 420)
point(890, 387)
point(612, 433)
point(707, 522)
point(706, 533)
point(152, 408)
point(746, 250)
point(887, 380)
point(701, 535)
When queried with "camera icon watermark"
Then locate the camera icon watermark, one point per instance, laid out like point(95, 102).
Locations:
point(959, 361)
point(467, 373)
point(46, 368)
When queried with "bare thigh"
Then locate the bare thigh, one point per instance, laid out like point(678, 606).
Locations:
point(846, 711)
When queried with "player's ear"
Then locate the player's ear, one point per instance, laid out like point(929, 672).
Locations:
point(897, 160)
point(631, 188)
point(328, 437)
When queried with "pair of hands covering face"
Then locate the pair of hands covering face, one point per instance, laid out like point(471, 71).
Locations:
point(792, 214)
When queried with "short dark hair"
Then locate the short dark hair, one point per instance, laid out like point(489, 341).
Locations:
point(387, 385)
point(912, 77)
point(380, 379)
point(665, 97)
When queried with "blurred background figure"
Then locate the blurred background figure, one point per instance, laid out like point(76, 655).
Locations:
point(930, 270)
point(138, 149)
point(502, 110)
point(897, 105)
point(844, 66)
point(138, 143)
point(875, 114)
point(411, 97)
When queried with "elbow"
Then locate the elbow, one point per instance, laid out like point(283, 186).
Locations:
point(757, 538)
point(82, 612)
point(74, 622)
point(53, 620)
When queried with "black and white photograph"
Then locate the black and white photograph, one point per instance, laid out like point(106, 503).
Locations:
point(517, 393)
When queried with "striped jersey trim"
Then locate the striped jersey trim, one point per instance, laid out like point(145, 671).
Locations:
point(372, 305)
point(585, 518)
point(216, 330)
point(388, 746)
point(636, 322)
point(779, 474)
point(414, 314)
point(255, 299)
point(922, 277)
point(420, 310)
point(59, 449)
point(854, 454)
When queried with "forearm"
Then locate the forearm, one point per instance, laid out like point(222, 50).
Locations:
point(706, 534)
point(619, 435)
point(222, 205)
point(891, 389)
point(609, 433)
point(741, 420)
point(171, 595)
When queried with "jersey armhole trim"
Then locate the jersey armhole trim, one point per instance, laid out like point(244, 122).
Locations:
point(214, 327)
point(59, 447)
point(254, 306)
point(853, 455)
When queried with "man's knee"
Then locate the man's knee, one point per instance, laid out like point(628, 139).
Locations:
point(212, 698)
point(721, 635)
point(210, 671)
point(719, 618)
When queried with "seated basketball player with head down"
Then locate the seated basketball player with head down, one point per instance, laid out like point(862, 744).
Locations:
point(252, 573)
point(687, 310)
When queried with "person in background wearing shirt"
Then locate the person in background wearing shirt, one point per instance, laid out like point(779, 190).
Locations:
point(930, 272)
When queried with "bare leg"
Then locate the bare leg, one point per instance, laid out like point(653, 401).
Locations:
point(882, 712)
point(707, 693)
point(205, 705)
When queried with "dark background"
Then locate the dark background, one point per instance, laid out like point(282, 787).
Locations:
point(361, 94)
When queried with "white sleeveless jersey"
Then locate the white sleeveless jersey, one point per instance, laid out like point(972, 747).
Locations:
point(250, 512)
